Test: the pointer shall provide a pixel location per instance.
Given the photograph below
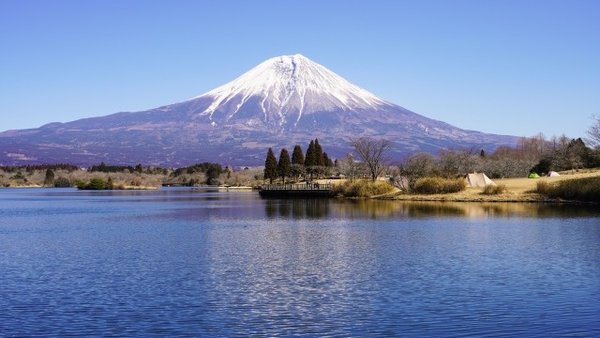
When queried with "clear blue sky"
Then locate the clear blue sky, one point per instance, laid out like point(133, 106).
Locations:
point(513, 66)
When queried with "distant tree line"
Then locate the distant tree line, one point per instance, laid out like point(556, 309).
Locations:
point(36, 167)
point(212, 171)
point(107, 168)
point(104, 168)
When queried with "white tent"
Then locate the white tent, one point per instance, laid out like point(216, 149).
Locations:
point(553, 174)
point(478, 180)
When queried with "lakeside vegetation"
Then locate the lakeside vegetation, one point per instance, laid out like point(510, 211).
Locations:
point(520, 189)
point(438, 185)
point(583, 189)
point(362, 188)
point(580, 184)
point(105, 176)
point(418, 177)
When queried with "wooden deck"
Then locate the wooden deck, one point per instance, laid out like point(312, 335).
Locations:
point(297, 190)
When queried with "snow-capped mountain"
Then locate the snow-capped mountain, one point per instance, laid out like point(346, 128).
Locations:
point(281, 90)
point(281, 102)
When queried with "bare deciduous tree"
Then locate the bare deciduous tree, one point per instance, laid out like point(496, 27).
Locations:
point(594, 131)
point(372, 152)
point(349, 167)
point(458, 162)
point(413, 168)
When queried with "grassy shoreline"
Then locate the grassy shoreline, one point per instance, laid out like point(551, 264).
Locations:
point(515, 190)
point(518, 190)
point(529, 198)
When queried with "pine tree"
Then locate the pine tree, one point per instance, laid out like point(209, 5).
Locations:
point(297, 155)
point(270, 166)
point(327, 161)
point(109, 184)
point(49, 179)
point(284, 168)
point(297, 162)
point(310, 154)
point(319, 160)
point(309, 159)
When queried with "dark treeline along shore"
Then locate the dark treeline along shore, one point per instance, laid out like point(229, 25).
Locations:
point(365, 174)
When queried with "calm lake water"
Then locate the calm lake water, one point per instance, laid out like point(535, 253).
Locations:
point(206, 263)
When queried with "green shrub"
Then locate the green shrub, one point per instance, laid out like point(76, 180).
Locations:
point(494, 189)
point(95, 183)
point(80, 184)
point(362, 188)
point(62, 182)
point(543, 166)
point(582, 189)
point(439, 185)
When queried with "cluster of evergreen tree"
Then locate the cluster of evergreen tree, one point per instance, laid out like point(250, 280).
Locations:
point(314, 163)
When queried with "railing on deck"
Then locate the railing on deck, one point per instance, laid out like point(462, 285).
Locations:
point(298, 186)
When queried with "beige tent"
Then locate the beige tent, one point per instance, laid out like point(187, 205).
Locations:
point(478, 180)
point(553, 174)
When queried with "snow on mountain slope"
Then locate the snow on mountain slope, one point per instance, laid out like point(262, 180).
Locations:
point(284, 87)
point(283, 101)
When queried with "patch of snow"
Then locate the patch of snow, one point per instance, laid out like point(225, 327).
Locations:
point(20, 157)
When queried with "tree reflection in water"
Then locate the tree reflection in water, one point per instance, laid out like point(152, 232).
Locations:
point(297, 208)
point(374, 209)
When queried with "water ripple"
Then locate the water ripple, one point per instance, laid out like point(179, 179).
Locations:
point(181, 264)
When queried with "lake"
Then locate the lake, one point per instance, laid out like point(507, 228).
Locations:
point(196, 262)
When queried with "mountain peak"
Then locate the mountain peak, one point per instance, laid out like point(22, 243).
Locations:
point(285, 100)
point(283, 89)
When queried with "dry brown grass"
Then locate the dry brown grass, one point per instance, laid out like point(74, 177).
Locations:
point(525, 185)
point(438, 185)
point(124, 180)
point(362, 188)
point(517, 190)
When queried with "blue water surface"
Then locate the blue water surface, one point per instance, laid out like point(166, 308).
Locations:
point(196, 262)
